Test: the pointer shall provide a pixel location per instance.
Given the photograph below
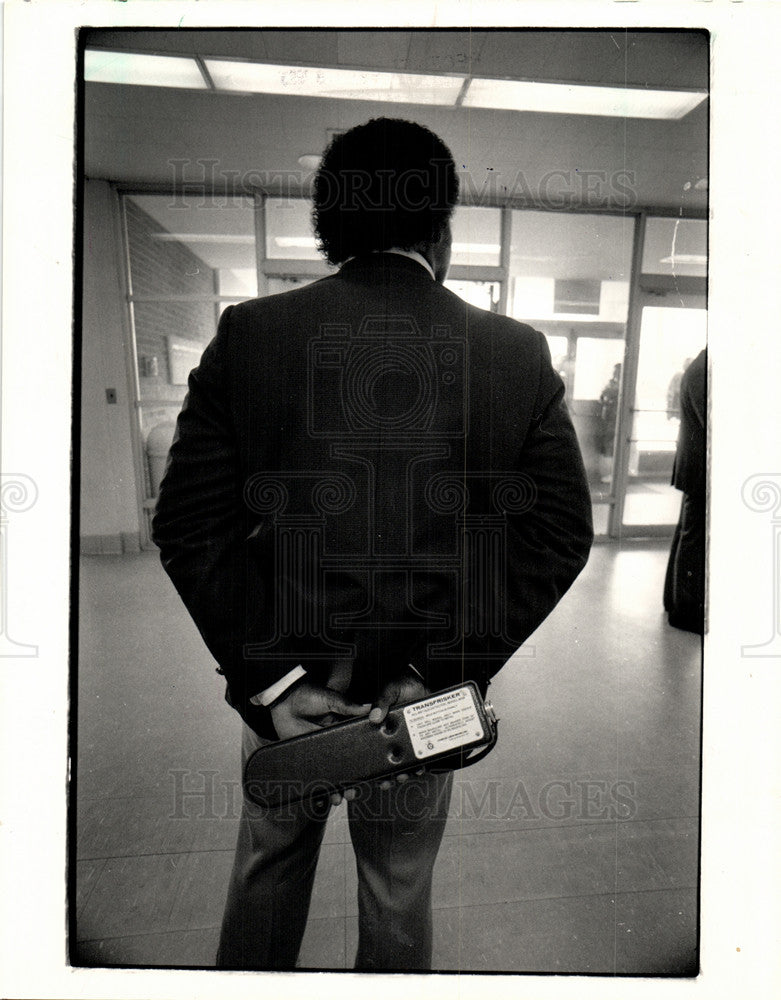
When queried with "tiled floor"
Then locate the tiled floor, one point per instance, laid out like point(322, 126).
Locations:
point(572, 848)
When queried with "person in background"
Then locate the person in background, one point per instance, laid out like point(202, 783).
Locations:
point(674, 392)
point(684, 586)
point(608, 414)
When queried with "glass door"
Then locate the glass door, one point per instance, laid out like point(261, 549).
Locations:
point(668, 330)
point(672, 334)
point(569, 276)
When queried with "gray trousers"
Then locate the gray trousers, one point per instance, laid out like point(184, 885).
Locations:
point(396, 835)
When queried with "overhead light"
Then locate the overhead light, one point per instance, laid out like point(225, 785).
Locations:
point(295, 242)
point(308, 243)
point(344, 84)
point(311, 161)
point(492, 248)
point(580, 99)
point(151, 70)
point(135, 68)
point(247, 239)
point(685, 258)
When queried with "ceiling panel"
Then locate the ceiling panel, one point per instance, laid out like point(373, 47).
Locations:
point(544, 55)
point(668, 59)
point(315, 48)
point(445, 51)
point(248, 44)
point(374, 49)
point(653, 58)
point(645, 58)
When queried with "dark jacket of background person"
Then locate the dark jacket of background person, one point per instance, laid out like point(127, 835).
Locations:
point(684, 589)
point(608, 412)
point(689, 467)
point(404, 419)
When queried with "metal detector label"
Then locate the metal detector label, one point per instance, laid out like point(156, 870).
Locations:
point(445, 722)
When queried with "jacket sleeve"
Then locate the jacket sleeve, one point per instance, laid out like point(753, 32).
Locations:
point(200, 526)
point(689, 466)
point(550, 539)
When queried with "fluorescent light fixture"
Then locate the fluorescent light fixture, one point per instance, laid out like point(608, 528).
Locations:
point(344, 84)
point(492, 248)
point(295, 242)
point(580, 99)
point(104, 66)
point(308, 243)
point(247, 239)
point(151, 70)
point(685, 258)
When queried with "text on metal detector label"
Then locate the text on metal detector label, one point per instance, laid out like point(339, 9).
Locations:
point(445, 722)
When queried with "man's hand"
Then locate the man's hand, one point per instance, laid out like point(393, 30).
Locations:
point(305, 707)
point(397, 692)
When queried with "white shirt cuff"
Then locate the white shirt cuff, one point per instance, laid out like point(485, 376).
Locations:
point(273, 692)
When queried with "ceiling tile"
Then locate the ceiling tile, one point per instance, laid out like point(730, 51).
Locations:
point(316, 48)
point(444, 51)
point(374, 49)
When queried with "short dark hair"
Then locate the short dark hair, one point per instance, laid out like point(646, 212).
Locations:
point(386, 183)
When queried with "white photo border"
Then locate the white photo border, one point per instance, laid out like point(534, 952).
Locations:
point(740, 858)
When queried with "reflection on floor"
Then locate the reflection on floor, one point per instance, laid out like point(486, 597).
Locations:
point(572, 848)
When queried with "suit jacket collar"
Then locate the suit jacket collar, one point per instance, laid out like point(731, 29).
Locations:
point(375, 263)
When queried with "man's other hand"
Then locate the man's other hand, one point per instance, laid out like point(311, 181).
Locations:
point(399, 691)
point(306, 707)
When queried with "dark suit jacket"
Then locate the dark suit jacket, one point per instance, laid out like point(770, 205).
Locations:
point(689, 467)
point(369, 472)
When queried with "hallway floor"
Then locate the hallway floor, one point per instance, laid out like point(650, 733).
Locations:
point(572, 848)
